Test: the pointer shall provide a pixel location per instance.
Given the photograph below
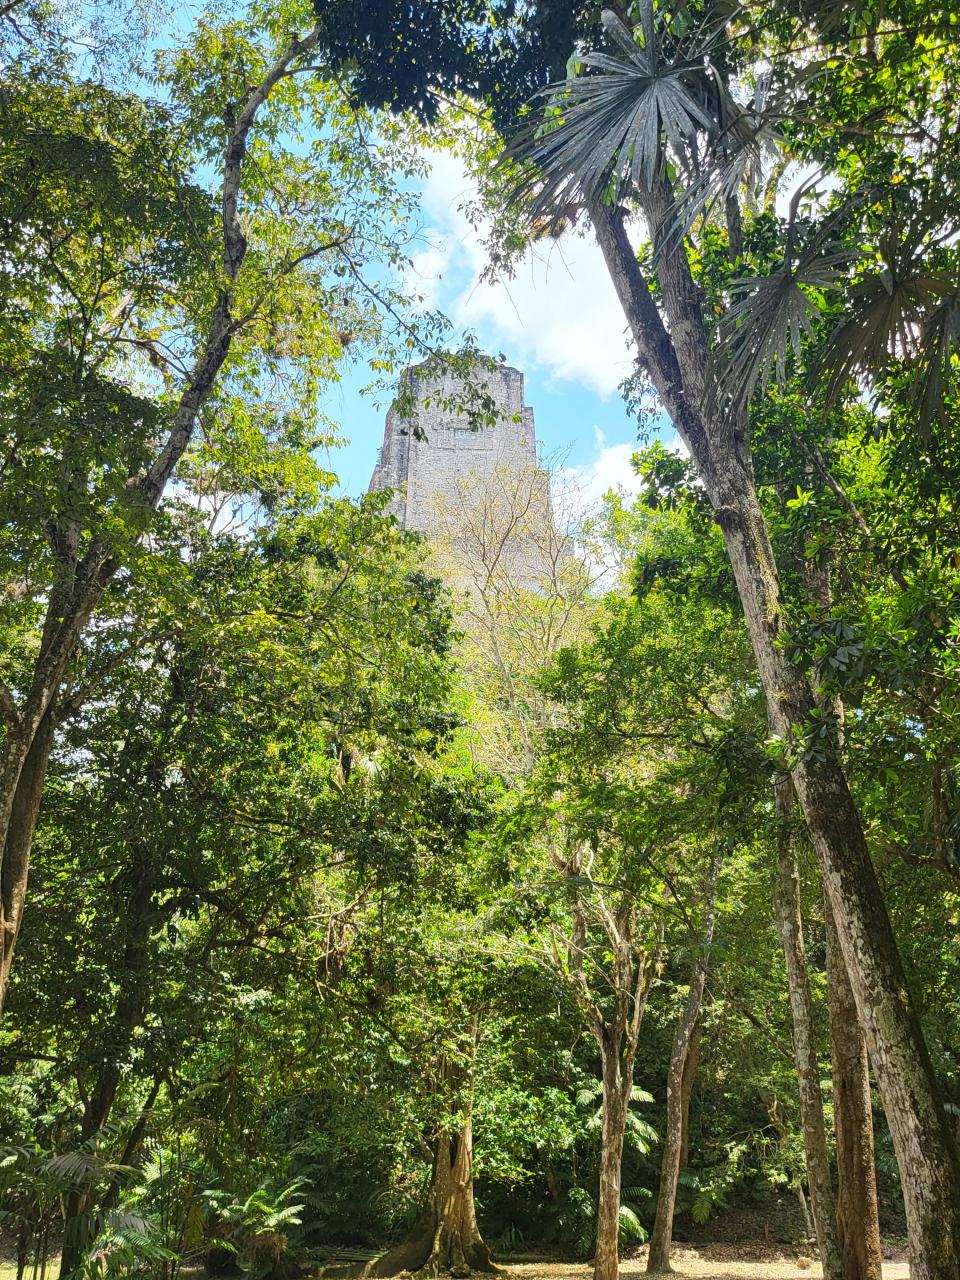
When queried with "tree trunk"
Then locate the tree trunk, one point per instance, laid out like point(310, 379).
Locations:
point(24, 809)
point(816, 1152)
point(926, 1154)
point(783, 1138)
point(617, 1087)
point(128, 1015)
point(630, 975)
point(447, 1237)
point(661, 1240)
point(80, 584)
point(690, 1069)
point(858, 1223)
point(677, 361)
point(76, 1231)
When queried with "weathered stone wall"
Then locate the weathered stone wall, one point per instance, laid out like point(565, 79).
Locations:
point(424, 467)
point(475, 492)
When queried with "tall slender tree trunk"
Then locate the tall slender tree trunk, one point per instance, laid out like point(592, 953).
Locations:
point(690, 1069)
point(24, 808)
point(677, 361)
point(858, 1220)
point(29, 736)
point(772, 1104)
point(925, 1148)
point(858, 1215)
point(630, 976)
point(617, 1088)
point(816, 1151)
point(81, 579)
point(128, 1015)
point(661, 1239)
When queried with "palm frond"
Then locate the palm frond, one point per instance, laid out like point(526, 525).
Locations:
point(79, 1168)
point(127, 1240)
point(884, 320)
point(938, 354)
point(721, 181)
point(641, 1135)
point(903, 311)
point(632, 1230)
point(588, 1093)
point(738, 161)
point(768, 319)
point(280, 1217)
point(634, 1193)
point(611, 125)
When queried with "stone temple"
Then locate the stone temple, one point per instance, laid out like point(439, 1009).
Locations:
point(474, 491)
point(427, 467)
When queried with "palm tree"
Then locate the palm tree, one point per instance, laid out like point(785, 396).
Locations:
point(659, 128)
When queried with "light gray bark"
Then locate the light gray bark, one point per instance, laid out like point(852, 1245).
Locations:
point(630, 976)
point(783, 1138)
point(616, 1102)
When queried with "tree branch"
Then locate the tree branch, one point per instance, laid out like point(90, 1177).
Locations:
point(214, 351)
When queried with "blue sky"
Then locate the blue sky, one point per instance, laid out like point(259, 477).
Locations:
point(558, 321)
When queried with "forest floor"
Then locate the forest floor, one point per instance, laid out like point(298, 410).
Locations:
point(705, 1262)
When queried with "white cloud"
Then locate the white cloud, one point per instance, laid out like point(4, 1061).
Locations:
point(426, 270)
point(559, 313)
point(608, 469)
point(587, 483)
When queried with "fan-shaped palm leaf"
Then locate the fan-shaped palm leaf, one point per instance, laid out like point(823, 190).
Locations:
point(612, 123)
point(768, 319)
point(903, 311)
point(81, 1167)
point(939, 352)
point(885, 317)
point(738, 161)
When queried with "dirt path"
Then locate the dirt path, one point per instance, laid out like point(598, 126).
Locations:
point(711, 1262)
